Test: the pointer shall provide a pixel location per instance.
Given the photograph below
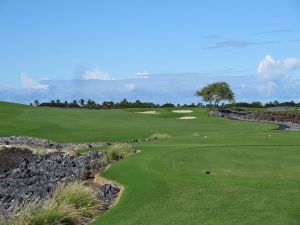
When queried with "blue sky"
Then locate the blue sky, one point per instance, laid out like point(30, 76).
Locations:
point(44, 42)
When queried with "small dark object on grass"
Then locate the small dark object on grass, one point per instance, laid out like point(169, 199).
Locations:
point(207, 172)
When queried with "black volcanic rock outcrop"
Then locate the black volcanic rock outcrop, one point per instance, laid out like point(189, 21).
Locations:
point(36, 179)
point(289, 120)
point(45, 143)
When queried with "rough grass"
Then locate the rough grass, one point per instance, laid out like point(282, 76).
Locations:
point(78, 196)
point(48, 212)
point(66, 205)
point(160, 136)
point(2, 219)
point(196, 134)
point(119, 151)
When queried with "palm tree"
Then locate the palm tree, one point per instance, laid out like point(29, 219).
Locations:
point(82, 102)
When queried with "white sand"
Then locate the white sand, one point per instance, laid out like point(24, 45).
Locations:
point(182, 111)
point(149, 112)
point(187, 118)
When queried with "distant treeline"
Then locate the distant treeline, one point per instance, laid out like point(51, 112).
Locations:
point(90, 104)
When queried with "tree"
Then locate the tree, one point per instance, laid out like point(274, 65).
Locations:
point(91, 104)
point(36, 103)
point(216, 92)
point(82, 102)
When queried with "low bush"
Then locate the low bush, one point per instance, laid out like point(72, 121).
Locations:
point(160, 136)
point(119, 151)
point(66, 205)
point(79, 196)
point(48, 212)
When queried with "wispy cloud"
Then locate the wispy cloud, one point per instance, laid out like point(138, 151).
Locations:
point(244, 44)
point(230, 43)
point(238, 44)
point(29, 83)
point(213, 36)
point(228, 70)
point(143, 74)
point(129, 87)
point(273, 31)
point(96, 74)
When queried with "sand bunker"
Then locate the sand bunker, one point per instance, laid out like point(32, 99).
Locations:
point(182, 111)
point(187, 118)
point(149, 112)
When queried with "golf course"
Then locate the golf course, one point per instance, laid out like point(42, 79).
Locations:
point(208, 171)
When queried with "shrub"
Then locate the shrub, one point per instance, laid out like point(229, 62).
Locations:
point(79, 196)
point(45, 213)
point(119, 151)
point(66, 205)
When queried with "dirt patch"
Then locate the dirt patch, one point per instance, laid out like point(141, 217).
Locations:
point(187, 118)
point(182, 111)
point(11, 157)
point(149, 112)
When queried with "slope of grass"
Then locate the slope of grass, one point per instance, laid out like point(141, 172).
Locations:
point(254, 171)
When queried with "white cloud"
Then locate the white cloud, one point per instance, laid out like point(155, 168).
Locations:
point(96, 74)
point(143, 74)
point(269, 68)
point(44, 78)
point(175, 88)
point(29, 83)
point(129, 87)
point(269, 88)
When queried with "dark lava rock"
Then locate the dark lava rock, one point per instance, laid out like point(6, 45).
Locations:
point(289, 120)
point(11, 158)
point(107, 193)
point(35, 180)
point(45, 143)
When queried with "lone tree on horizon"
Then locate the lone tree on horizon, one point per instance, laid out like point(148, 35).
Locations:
point(216, 92)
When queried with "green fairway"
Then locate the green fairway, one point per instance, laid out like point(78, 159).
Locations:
point(254, 170)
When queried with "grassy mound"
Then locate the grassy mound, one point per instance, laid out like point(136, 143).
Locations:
point(119, 151)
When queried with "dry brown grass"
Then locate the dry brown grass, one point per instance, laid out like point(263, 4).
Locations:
point(160, 136)
point(65, 206)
